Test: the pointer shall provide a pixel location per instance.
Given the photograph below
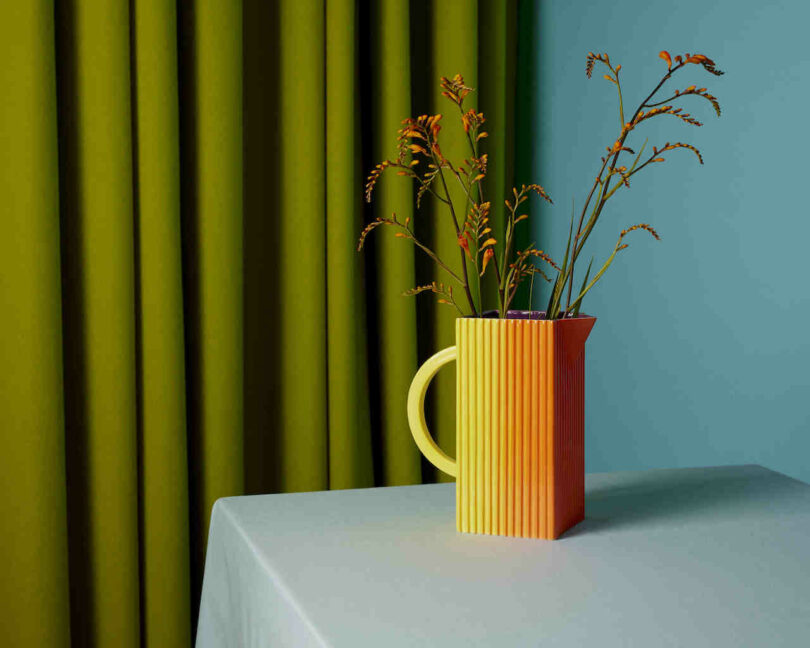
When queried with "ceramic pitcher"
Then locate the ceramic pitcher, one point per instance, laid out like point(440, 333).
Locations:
point(520, 466)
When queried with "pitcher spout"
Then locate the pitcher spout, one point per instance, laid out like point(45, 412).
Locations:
point(572, 333)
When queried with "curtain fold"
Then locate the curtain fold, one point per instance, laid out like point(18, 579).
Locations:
point(184, 312)
point(98, 280)
point(301, 244)
point(349, 425)
point(454, 32)
point(160, 342)
point(497, 26)
point(389, 75)
point(34, 587)
point(210, 37)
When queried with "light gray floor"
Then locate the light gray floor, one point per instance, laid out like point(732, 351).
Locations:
point(688, 557)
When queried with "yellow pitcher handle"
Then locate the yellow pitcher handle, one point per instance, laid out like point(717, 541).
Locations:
point(416, 411)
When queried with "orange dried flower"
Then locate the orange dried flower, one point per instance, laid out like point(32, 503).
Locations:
point(591, 61)
point(418, 141)
point(705, 61)
point(488, 254)
point(454, 89)
point(464, 244)
point(640, 226)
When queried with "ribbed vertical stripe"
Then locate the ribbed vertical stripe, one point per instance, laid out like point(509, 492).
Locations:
point(472, 399)
point(520, 421)
point(535, 429)
point(486, 378)
point(471, 452)
point(510, 430)
point(460, 442)
point(549, 397)
point(501, 426)
point(495, 434)
point(541, 396)
point(479, 432)
point(525, 469)
point(520, 432)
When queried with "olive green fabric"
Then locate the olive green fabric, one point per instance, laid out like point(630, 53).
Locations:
point(349, 425)
point(302, 246)
point(454, 52)
point(96, 196)
point(33, 541)
point(497, 26)
point(391, 73)
point(163, 493)
point(211, 199)
point(184, 313)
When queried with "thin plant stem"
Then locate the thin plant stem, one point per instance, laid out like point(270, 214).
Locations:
point(626, 130)
point(455, 222)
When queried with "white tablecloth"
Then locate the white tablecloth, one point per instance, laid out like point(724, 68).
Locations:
point(692, 557)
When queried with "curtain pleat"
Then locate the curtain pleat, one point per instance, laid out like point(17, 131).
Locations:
point(93, 67)
point(495, 97)
point(185, 314)
point(262, 261)
point(33, 542)
point(302, 416)
point(394, 263)
point(523, 59)
point(454, 31)
point(163, 461)
point(349, 423)
point(211, 206)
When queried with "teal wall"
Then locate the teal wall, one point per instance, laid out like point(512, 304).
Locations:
point(701, 352)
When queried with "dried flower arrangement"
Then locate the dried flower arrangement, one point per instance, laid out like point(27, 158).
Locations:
point(420, 158)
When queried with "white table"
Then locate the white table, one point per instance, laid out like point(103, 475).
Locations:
point(689, 557)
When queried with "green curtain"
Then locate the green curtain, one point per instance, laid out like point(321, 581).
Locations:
point(183, 314)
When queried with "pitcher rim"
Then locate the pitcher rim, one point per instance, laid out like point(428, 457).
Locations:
point(523, 315)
